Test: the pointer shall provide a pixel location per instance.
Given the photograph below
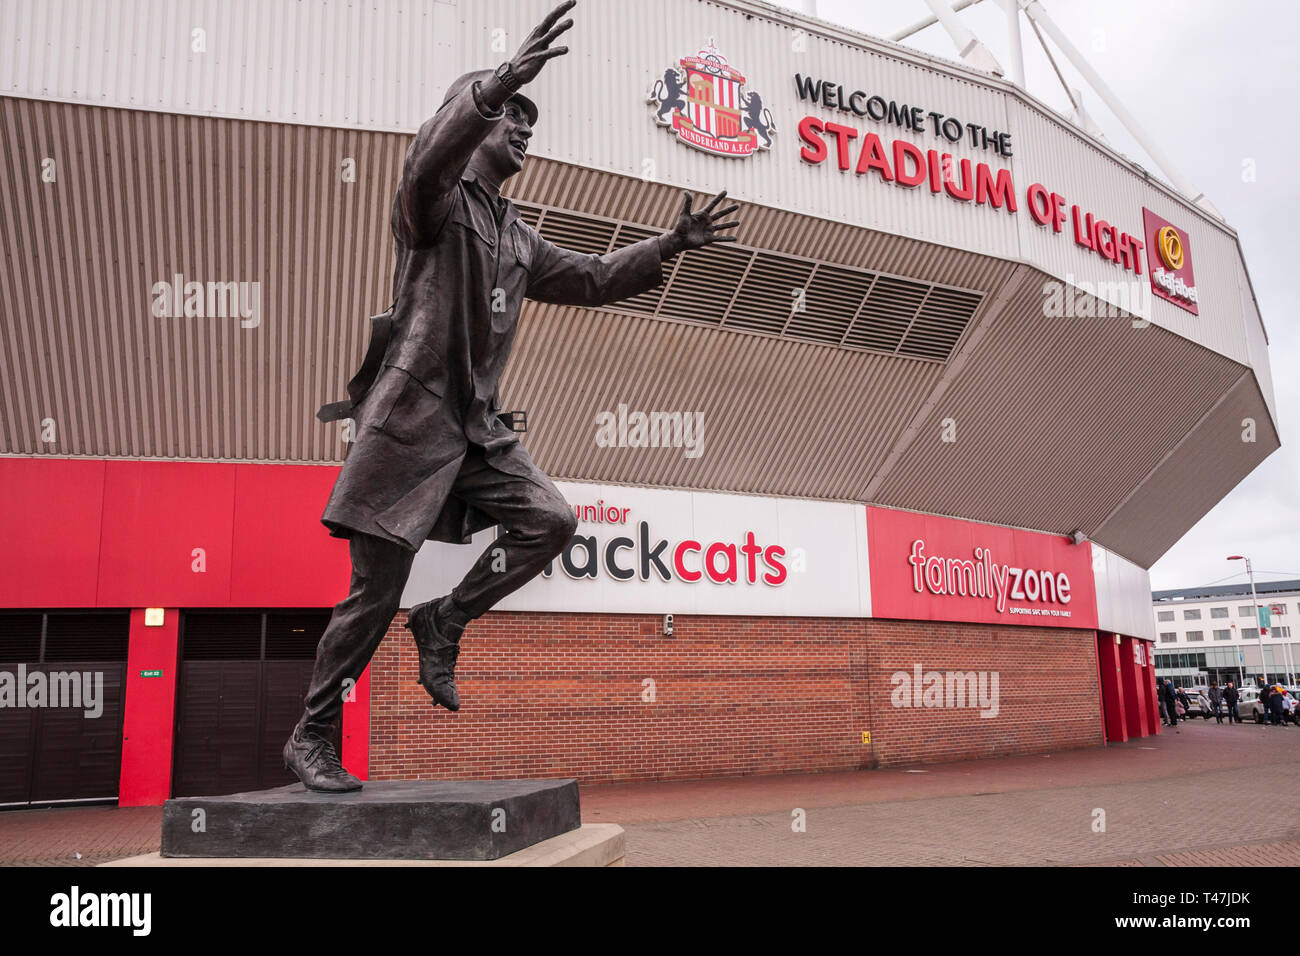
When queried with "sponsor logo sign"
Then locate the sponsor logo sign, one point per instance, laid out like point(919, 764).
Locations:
point(925, 567)
point(706, 104)
point(1169, 257)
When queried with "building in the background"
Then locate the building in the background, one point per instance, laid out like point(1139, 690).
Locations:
point(878, 483)
point(1216, 633)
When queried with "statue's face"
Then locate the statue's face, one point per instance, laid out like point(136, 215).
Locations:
point(504, 148)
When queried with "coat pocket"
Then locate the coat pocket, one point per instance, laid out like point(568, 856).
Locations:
point(474, 221)
point(523, 248)
point(413, 414)
point(423, 364)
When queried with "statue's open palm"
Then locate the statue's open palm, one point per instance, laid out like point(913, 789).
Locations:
point(537, 49)
point(695, 229)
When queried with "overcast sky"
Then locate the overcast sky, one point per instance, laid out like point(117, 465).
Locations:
point(1233, 81)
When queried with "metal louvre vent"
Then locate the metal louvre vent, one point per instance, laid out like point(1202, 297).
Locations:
point(294, 635)
point(940, 323)
point(20, 638)
point(774, 289)
point(87, 637)
point(647, 303)
point(222, 636)
point(735, 287)
point(830, 305)
point(529, 214)
point(579, 233)
point(888, 311)
point(704, 283)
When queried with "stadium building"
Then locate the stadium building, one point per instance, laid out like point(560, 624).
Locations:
point(877, 484)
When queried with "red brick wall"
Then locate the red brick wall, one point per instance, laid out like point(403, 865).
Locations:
point(560, 695)
point(1047, 679)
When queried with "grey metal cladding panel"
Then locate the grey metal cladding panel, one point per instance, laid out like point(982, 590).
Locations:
point(140, 197)
point(780, 417)
point(1123, 594)
point(1189, 482)
point(1051, 458)
point(581, 189)
point(757, 290)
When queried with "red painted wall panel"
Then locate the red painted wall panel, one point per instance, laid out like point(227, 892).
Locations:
point(1112, 688)
point(150, 711)
point(1131, 679)
point(895, 578)
point(155, 515)
point(122, 533)
point(356, 729)
point(50, 526)
point(1149, 681)
point(284, 557)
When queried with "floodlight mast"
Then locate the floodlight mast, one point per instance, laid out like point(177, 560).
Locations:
point(930, 21)
point(1034, 10)
point(973, 53)
point(969, 48)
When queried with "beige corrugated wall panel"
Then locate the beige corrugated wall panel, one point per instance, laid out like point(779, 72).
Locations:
point(1256, 342)
point(140, 197)
point(598, 193)
point(1111, 191)
point(622, 47)
point(780, 417)
point(1188, 482)
point(1088, 422)
point(384, 65)
point(380, 65)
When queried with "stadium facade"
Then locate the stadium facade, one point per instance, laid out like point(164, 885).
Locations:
point(877, 484)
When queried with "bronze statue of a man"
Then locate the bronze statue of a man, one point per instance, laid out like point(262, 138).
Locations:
point(431, 459)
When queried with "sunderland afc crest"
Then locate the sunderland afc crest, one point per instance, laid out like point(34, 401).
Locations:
point(705, 103)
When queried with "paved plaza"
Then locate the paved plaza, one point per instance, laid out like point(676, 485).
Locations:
point(1215, 795)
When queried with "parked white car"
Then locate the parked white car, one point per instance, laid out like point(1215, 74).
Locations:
point(1252, 708)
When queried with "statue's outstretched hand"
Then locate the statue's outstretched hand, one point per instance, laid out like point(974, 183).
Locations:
point(695, 229)
point(537, 49)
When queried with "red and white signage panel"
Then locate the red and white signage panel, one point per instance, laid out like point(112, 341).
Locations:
point(662, 551)
point(929, 568)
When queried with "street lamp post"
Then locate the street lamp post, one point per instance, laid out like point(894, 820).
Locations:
point(1259, 632)
point(1241, 674)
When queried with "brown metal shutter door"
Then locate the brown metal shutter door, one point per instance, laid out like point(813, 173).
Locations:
point(241, 694)
point(80, 757)
point(59, 753)
point(217, 714)
point(20, 643)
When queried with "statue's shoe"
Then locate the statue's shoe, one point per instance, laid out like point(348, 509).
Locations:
point(438, 653)
point(317, 765)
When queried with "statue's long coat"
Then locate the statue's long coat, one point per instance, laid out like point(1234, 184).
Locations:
point(461, 278)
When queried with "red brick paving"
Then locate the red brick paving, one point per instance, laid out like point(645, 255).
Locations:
point(1202, 747)
point(1141, 783)
point(53, 837)
point(1286, 853)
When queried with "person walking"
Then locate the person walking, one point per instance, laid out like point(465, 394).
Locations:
point(1265, 702)
point(1230, 698)
point(1216, 698)
point(1171, 705)
point(1160, 700)
point(1276, 706)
